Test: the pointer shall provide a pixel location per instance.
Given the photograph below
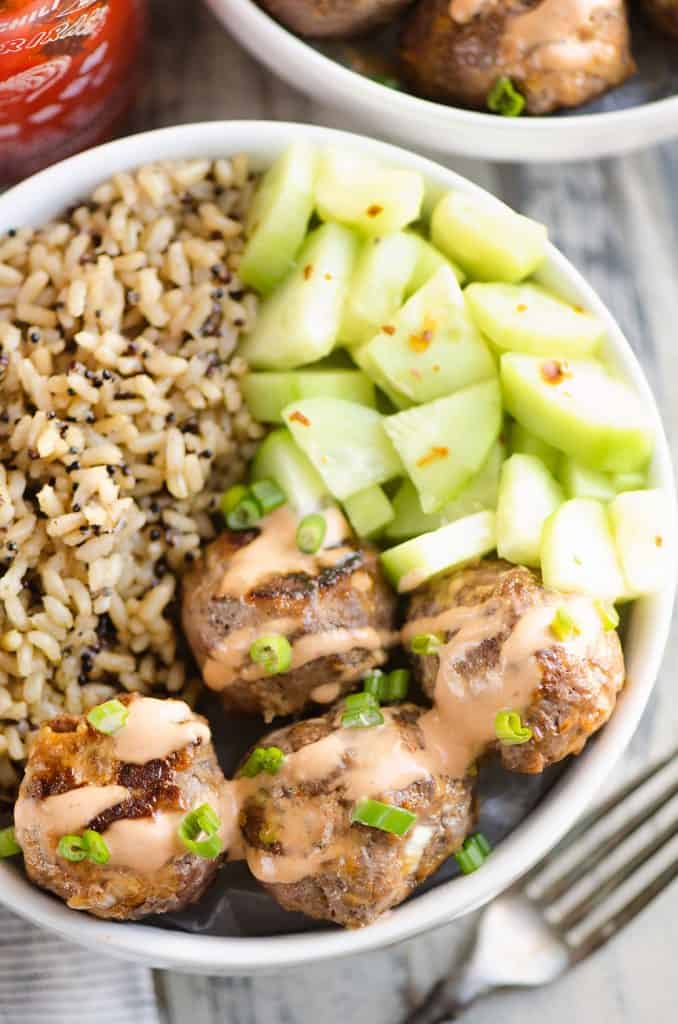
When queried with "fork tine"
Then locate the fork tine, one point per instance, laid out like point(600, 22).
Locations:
point(584, 907)
point(626, 914)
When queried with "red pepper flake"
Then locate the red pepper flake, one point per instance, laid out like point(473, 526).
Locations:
point(420, 342)
point(553, 372)
point(374, 210)
point(658, 541)
point(521, 307)
point(298, 417)
point(328, 277)
point(308, 270)
point(578, 309)
point(436, 452)
point(436, 367)
point(388, 329)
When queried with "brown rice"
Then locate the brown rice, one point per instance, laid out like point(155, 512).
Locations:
point(121, 422)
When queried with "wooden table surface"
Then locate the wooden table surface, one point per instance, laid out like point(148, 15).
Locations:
point(618, 222)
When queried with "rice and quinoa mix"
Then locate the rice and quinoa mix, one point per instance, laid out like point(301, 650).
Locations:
point(121, 423)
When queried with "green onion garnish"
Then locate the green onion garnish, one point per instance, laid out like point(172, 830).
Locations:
point(263, 759)
point(426, 643)
point(609, 616)
point(503, 98)
point(245, 514)
point(199, 832)
point(273, 653)
point(231, 498)
point(386, 688)
point(311, 533)
point(373, 683)
point(89, 846)
point(268, 494)
point(72, 848)
point(362, 711)
point(8, 844)
point(474, 852)
point(510, 730)
point(386, 817)
point(563, 625)
point(109, 718)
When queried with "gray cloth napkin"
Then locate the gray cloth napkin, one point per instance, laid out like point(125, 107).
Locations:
point(46, 980)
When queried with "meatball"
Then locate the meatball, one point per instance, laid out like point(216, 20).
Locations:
point(664, 13)
point(558, 53)
point(500, 653)
point(333, 18)
point(300, 841)
point(133, 788)
point(333, 607)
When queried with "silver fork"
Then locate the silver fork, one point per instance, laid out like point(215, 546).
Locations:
point(521, 941)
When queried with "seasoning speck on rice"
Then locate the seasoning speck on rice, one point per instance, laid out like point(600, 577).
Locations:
point(121, 422)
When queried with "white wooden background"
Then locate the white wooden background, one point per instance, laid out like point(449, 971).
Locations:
point(618, 222)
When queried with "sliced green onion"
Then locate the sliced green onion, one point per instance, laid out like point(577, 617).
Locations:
point(503, 98)
point(95, 847)
point(426, 643)
point(263, 759)
point(245, 514)
point(8, 844)
point(109, 718)
point(386, 817)
point(311, 533)
point(474, 852)
point(609, 616)
point(273, 653)
point(231, 498)
point(268, 494)
point(397, 684)
point(510, 730)
point(72, 848)
point(362, 712)
point(373, 683)
point(563, 625)
point(199, 830)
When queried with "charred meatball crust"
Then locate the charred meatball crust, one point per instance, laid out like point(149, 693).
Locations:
point(664, 13)
point(350, 595)
point(375, 871)
point(333, 19)
point(69, 753)
point(575, 697)
point(460, 62)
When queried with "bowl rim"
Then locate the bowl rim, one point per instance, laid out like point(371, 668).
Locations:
point(576, 136)
point(48, 192)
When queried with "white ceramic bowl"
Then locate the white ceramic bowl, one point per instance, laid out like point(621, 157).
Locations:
point(44, 196)
point(444, 129)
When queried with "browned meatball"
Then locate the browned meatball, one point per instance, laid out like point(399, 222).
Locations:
point(333, 18)
point(334, 608)
point(500, 652)
point(299, 838)
point(557, 53)
point(664, 13)
point(133, 788)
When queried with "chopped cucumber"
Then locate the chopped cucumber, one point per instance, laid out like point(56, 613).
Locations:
point(442, 444)
point(410, 564)
point(369, 511)
point(581, 482)
point(528, 495)
point(364, 194)
point(384, 267)
point(346, 443)
point(642, 529)
point(528, 318)
point(362, 357)
point(267, 394)
point(578, 553)
point(278, 458)
point(409, 518)
point(278, 218)
point(431, 347)
point(299, 322)
point(488, 240)
point(525, 443)
point(428, 262)
point(629, 482)
point(578, 407)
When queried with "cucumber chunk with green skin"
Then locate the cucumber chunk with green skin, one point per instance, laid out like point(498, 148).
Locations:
point(525, 443)
point(413, 563)
point(369, 511)
point(363, 359)
point(528, 495)
point(489, 241)
point(528, 318)
point(267, 394)
point(364, 194)
point(431, 346)
point(384, 267)
point(642, 529)
point(409, 518)
point(299, 322)
point(278, 218)
point(582, 482)
point(578, 407)
point(444, 443)
point(278, 458)
point(578, 553)
point(346, 442)
point(428, 262)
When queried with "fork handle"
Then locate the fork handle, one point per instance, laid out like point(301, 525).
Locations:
point(448, 999)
